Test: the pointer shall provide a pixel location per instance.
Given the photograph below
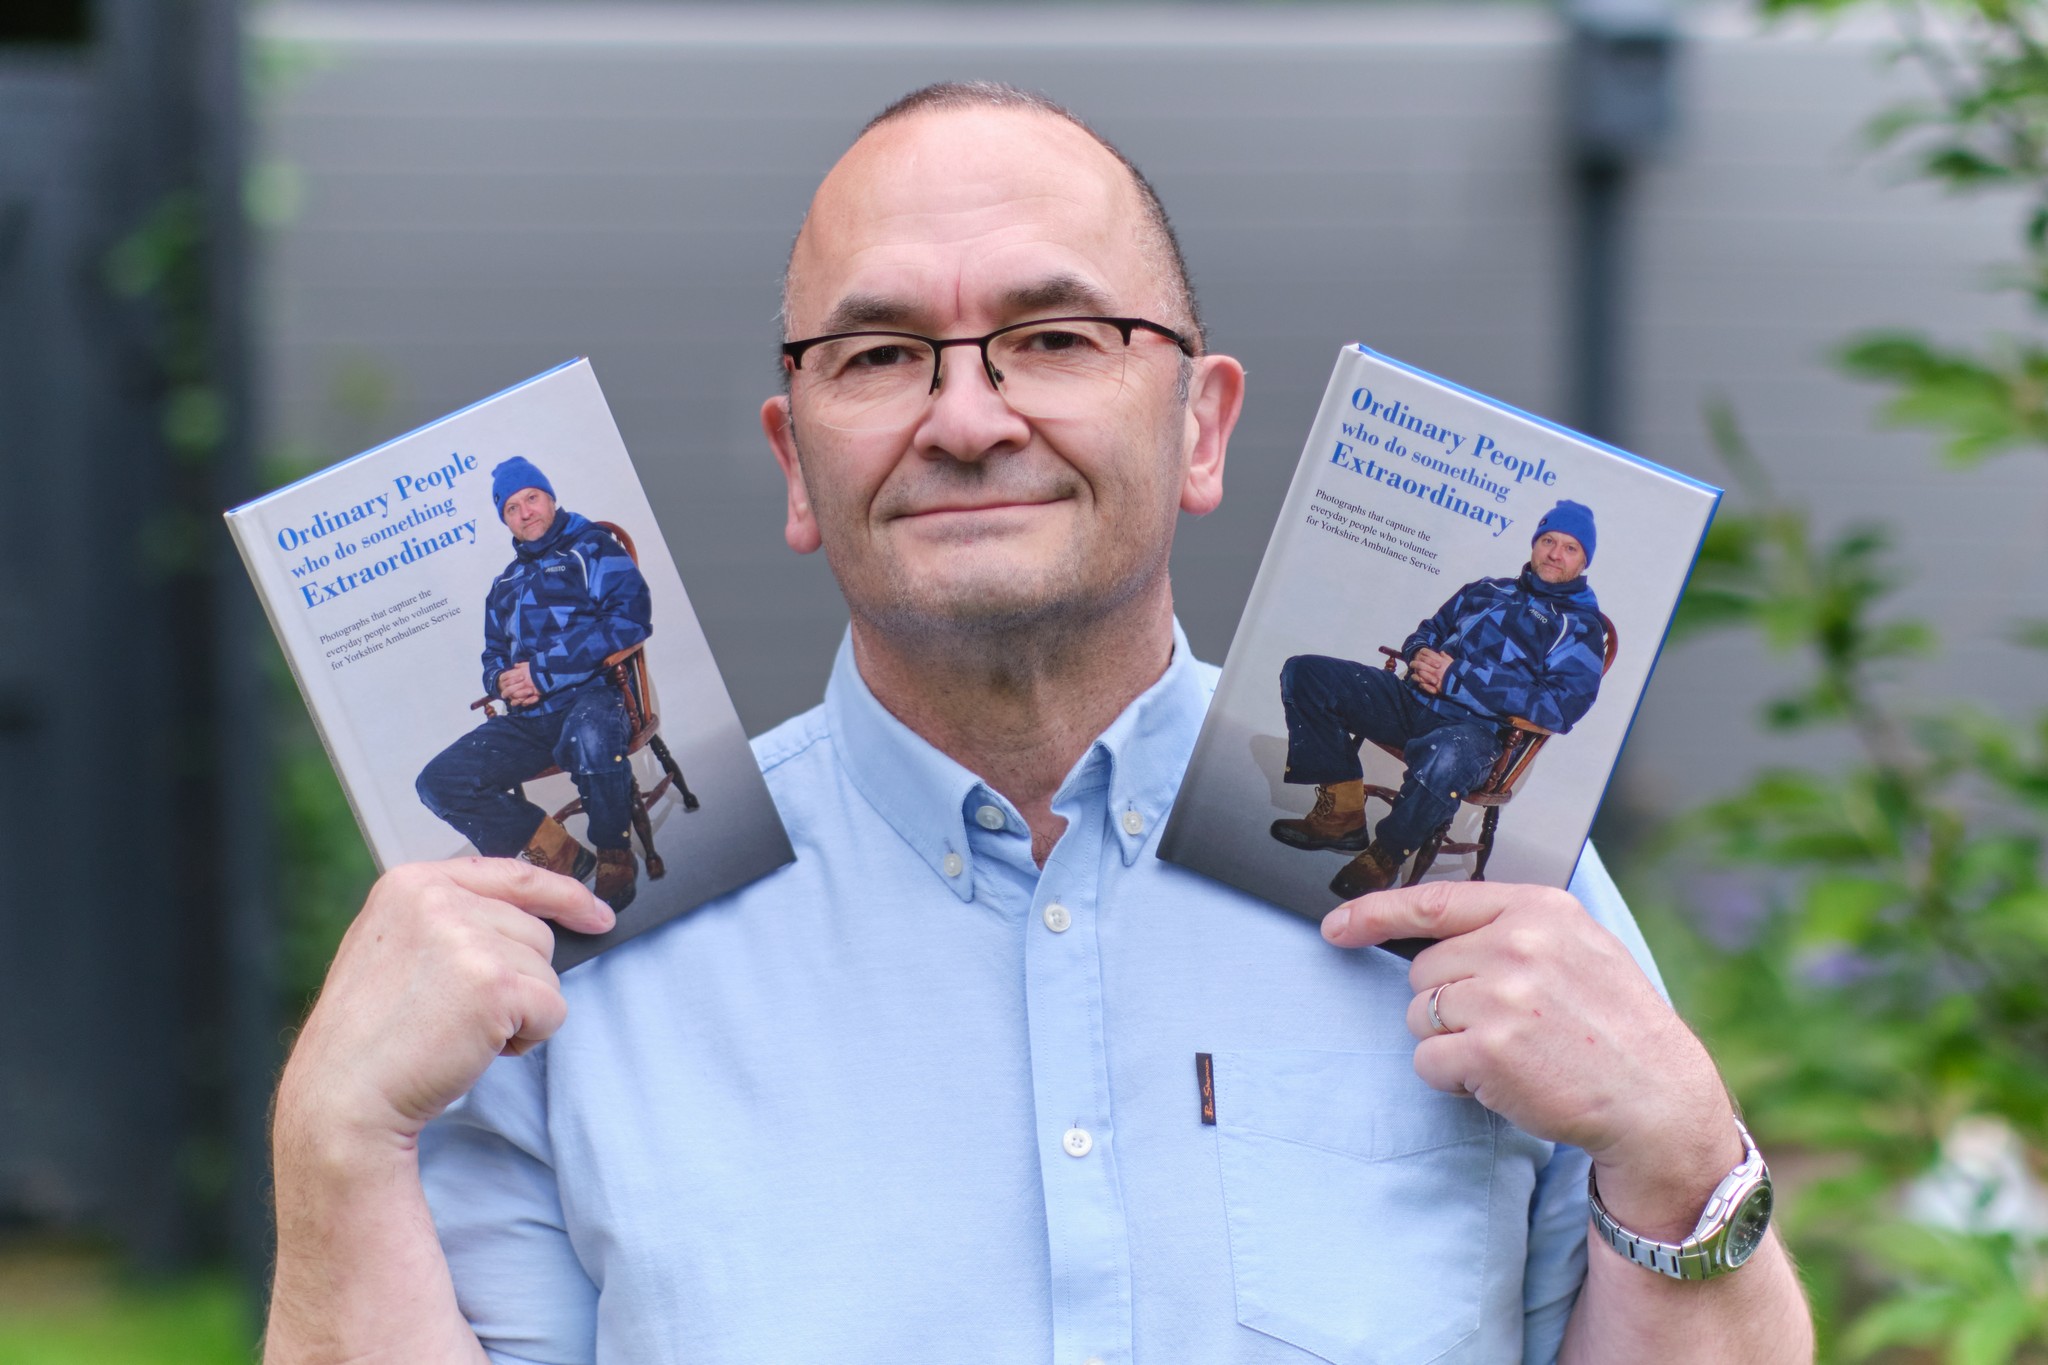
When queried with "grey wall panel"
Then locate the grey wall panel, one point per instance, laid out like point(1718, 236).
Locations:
point(481, 204)
point(490, 188)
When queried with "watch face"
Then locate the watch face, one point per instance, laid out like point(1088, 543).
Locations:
point(1746, 1228)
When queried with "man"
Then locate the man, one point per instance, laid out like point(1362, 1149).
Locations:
point(1530, 648)
point(570, 598)
point(930, 1092)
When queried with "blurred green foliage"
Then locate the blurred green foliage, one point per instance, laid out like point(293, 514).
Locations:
point(71, 1306)
point(1866, 947)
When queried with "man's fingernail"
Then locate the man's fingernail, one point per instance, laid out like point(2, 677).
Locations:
point(1336, 922)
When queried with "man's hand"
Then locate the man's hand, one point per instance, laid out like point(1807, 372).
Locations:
point(1550, 1023)
point(515, 685)
point(1426, 669)
point(445, 968)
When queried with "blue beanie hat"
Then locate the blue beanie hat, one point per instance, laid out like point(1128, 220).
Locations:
point(1574, 519)
point(513, 475)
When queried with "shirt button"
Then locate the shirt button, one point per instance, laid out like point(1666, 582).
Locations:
point(1092, 1360)
point(1077, 1142)
point(952, 865)
point(1056, 918)
point(990, 817)
point(1134, 823)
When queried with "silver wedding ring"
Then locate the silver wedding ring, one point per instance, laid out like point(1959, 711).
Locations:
point(1436, 1021)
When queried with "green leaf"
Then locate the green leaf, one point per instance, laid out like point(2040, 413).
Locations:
point(194, 421)
point(1704, 609)
point(1994, 1329)
point(1913, 1319)
point(1964, 167)
point(1843, 909)
point(1898, 639)
point(1988, 404)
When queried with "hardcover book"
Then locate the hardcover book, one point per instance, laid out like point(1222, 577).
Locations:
point(500, 658)
point(1443, 650)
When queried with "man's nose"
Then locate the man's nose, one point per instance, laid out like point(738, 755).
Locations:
point(968, 418)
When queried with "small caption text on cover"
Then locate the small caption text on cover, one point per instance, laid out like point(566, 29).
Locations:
point(1362, 526)
point(367, 635)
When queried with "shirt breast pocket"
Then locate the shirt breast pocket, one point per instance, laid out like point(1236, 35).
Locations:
point(1358, 1204)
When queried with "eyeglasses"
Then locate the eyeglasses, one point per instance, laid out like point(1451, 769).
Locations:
point(1048, 368)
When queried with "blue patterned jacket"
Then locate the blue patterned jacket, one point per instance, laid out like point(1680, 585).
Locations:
point(1519, 647)
point(565, 602)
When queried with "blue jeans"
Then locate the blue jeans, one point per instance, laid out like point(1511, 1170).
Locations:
point(473, 784)
point(1334, 705)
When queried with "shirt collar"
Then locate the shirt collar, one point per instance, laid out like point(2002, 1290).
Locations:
point(929, 799)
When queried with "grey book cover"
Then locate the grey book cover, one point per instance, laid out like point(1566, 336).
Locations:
point(1400, 616)
point(400, 597)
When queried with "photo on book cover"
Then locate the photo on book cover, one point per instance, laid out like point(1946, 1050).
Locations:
point(501, 659)
point(1443, 651)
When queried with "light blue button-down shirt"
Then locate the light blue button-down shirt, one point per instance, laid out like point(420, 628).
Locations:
point(912, 1099)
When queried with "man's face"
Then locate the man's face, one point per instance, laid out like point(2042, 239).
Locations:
point(529, 513)
point(1557, 557)
point(968, 514)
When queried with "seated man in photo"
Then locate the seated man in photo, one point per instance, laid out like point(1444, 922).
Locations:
point(570, 598)
point(1531, 646)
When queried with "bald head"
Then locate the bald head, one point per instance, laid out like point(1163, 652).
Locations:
point(997, 131)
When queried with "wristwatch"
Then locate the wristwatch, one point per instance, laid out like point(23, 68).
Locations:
point(1730, 1229)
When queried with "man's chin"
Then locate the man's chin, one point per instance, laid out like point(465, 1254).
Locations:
point(987, 603)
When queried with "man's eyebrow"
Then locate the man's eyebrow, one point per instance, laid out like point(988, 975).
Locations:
point(1063, 293)
point(1053, 294)
point(857, 312)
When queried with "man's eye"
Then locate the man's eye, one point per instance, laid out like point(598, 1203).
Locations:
point(1056, 341)
point(880, 356)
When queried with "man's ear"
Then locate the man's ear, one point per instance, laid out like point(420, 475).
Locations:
point(801, 527)
point(1215, 397)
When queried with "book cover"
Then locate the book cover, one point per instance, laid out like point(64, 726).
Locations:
point(500, 657)
point(1443, 650)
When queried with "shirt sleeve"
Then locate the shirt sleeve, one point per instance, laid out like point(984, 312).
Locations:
point(488, 1171)
point(1558, 1210)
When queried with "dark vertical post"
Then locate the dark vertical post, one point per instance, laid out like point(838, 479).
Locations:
point(241, 701)
point(133, 961)
point(1619, 109)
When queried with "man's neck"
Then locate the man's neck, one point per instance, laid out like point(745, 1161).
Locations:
point(1019, 709)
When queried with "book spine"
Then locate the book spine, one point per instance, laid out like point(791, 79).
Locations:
point(317, 706)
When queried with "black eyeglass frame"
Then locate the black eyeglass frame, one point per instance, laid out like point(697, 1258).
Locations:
point(793, 351)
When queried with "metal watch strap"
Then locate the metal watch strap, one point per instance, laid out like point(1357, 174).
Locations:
point(1694, 1258)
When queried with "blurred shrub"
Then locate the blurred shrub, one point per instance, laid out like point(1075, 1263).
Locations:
point(69, 1305)
point(1868, 947)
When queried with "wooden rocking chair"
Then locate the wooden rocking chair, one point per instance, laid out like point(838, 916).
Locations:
point(628, 671)
point(1520, 741)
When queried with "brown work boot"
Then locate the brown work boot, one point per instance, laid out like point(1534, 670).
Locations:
point(1337, 821)
point(556, 850)
point(618, 877)
point(1373, 870)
